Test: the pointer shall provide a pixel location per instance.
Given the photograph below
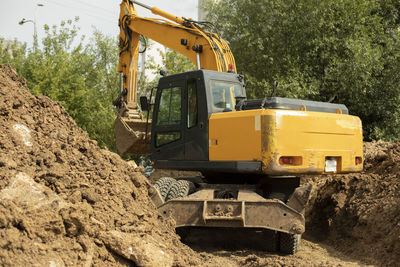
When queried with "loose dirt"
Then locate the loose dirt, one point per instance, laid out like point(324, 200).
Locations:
point(310, 255)
point(64, 201)
point(359, 214)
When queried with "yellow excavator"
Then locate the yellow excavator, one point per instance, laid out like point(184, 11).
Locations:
point(250, 152)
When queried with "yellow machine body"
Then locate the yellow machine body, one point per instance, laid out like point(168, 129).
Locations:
point(307, 138)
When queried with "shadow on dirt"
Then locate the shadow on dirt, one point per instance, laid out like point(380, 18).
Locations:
point(216, 239)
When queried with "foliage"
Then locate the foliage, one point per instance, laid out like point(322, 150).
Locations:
point(176, 63)
point(12, 51)
point(319, 49)
point(171, 63)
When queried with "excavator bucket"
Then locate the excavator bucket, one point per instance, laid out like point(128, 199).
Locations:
point(130, 136)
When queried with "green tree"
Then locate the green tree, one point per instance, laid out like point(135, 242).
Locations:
point(13, 51)
point(176, 63)
point(319, 49)
point(171, 62)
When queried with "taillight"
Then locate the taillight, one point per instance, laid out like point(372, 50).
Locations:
point(231, 68)
point(286, 160)
point(291, 160)
point(358, 160)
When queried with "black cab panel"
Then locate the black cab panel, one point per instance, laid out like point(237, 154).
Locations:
point(182, 107)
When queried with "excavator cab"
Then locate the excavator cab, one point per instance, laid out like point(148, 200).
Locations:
point(182, 107)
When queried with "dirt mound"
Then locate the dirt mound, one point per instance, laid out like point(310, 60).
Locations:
point(64, 201)
point(360, 213)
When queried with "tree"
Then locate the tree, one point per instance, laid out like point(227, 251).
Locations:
point(12, 51)
point(319, 49)
point(172, 63)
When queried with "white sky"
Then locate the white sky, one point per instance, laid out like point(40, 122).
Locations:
point(103, 14)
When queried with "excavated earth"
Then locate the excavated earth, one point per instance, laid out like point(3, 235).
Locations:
point(359, 214)
point(64, 201)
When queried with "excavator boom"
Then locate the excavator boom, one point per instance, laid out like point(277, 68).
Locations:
point(205, 49)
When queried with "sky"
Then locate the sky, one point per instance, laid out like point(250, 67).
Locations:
point(102, 14)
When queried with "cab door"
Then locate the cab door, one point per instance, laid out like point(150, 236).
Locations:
point(167, 141)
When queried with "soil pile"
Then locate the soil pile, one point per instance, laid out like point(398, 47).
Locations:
point(360, 213)
point(64, 201)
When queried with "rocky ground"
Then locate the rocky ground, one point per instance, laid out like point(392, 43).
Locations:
point(64, 201)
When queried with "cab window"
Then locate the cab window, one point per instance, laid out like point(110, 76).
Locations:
point(223, 94)
point(169, 112)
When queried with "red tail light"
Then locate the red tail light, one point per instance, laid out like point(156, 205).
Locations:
point(291, 160)
point(286, 160)
point(358, 160)
point(231, 68)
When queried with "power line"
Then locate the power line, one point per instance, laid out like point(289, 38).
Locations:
point(93, 6)
point(87, 12)
point(86, 8)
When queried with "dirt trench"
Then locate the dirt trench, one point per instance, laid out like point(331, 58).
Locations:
point(359, 214)
point(64, 201)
